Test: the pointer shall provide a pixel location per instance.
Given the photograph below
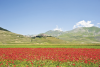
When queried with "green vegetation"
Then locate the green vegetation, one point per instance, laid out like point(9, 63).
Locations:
point(82, 35)
point(48, 40)
point(78, 36)
point(3, 29)
point(45, 63)
point(7, 37)
point(47, 46)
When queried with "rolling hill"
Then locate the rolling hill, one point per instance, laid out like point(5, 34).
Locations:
point(81, 35)
point(7, 37)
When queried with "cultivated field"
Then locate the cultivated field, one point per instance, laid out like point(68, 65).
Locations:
point(50, 46)
point(49, 56)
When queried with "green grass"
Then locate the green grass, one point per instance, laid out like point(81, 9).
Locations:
point(48, 46)
point(45, 63)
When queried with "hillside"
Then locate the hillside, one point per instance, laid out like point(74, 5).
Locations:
point(81, 35)
point(7, 37)
point(48, 40)
point(2, 29)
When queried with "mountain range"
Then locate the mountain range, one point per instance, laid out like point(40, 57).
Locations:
point(80, 35)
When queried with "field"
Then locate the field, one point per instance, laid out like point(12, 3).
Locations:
point(49, 56)
point(50, 46)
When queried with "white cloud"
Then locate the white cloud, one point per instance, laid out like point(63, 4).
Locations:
point(83, 24)
point(59, 29)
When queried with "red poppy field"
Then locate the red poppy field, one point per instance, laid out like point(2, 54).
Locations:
point(49, 57)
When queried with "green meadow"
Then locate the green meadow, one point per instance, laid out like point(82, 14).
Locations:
point(49, 46)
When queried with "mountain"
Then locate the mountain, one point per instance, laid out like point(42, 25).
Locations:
point(7, 37)
point(81, 35)
point(55, 33)
point(86, 29)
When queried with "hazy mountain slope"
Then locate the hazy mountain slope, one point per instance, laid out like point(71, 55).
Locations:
point(87, 30)
point(78, 35)
point(54, 33)
point(82, 35)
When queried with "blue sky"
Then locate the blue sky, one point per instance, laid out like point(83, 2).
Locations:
point(38, 16)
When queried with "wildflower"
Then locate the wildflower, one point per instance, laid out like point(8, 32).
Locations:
point(41, 64)
point(73, 64)
point(14, 65)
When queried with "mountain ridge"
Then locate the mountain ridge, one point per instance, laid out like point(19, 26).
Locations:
point(80, 35)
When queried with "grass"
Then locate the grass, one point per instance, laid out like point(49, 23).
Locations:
point(48, 46)
point(10, 38)
point(45, 63)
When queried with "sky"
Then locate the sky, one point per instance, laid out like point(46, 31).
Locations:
point(39, 16)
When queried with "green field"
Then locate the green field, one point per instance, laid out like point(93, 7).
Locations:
point(48, 46)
